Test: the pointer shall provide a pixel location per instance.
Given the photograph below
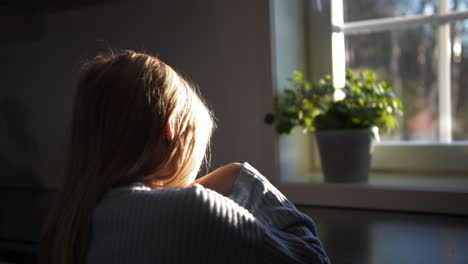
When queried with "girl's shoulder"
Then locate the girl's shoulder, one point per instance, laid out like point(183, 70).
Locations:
point(138, 193)
point(250, 191)
point(137, 197)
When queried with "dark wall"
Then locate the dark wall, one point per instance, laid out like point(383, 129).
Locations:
point(223, 46)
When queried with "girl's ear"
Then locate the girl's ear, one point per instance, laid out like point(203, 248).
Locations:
point(169, 130)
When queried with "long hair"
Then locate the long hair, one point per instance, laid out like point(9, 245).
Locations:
point(118, 137)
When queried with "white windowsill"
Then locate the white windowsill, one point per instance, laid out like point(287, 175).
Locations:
point(428, 192)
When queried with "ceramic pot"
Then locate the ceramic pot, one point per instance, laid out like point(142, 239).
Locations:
point(345, 155)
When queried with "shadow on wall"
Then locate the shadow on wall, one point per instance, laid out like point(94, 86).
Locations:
point(19, 152)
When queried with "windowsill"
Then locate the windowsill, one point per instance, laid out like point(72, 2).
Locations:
point(428, 192)
point(392, 180)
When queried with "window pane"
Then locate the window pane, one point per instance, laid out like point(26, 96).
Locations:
point(353, 9)
point(407, 60)
point(459, 36)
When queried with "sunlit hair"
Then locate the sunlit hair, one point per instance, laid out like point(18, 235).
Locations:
point(118, 137)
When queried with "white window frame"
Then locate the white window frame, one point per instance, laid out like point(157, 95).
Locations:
point(443, 156)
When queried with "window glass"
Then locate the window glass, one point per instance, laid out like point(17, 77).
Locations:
point(407, 60)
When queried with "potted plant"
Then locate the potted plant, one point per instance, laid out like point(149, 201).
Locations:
point(345, 119)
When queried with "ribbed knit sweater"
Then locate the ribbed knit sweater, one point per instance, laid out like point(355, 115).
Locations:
point(256, 224)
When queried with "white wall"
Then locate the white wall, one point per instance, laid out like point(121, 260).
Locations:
point(224, 46)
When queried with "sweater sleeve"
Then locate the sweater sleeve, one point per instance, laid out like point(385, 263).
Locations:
point(216, 229)
point(286, 226)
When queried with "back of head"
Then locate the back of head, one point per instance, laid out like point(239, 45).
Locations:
point(124, 105)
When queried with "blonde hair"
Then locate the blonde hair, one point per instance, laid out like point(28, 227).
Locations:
point(118, 137)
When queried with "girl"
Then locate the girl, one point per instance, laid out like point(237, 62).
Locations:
point(139, 136)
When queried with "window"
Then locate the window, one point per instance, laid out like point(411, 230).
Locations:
point(421, 49)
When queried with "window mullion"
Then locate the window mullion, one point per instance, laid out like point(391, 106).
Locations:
point(444, 80)
point(338, 45)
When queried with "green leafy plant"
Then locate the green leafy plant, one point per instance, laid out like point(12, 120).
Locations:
point(363, 102)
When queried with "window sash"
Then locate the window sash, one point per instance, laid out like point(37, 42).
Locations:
point(442, 158)
point(394, 23)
